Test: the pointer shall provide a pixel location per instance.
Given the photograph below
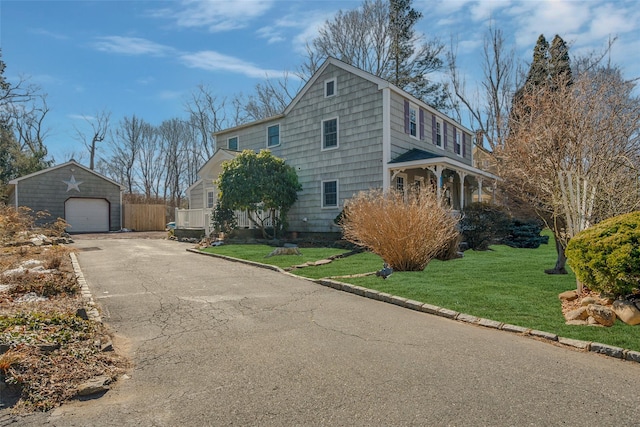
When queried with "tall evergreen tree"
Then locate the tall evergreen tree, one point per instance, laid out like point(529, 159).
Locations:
point(559, 62)
point(550, 70)
point(402, 18)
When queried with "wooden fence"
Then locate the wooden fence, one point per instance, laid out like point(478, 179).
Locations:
point(144, 217)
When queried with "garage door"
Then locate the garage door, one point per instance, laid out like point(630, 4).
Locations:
point(87, 215)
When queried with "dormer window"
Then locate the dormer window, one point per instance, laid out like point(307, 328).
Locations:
point(329, 88)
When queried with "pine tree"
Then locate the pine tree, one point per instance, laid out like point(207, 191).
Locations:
point(402, 18)
point(559, 63)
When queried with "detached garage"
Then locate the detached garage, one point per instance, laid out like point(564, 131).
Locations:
point(88, 201)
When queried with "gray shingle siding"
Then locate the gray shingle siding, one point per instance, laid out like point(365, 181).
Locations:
point(356, 163)
point(402, 142)
point(47, 191)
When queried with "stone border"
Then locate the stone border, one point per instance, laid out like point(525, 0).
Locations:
point(92, 311)
point(604, 349)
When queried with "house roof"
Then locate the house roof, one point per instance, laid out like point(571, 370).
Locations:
point(414, 154)
point(15, 181)
point(219, 156)
point(382, 83)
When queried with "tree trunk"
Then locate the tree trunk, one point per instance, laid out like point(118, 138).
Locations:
point(561, 260)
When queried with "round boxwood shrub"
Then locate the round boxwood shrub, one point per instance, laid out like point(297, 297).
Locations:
point(606, 256)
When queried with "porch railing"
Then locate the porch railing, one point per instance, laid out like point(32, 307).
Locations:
point(201, 219)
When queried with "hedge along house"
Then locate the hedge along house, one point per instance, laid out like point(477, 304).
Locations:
point(348, 131)
point(86, 200)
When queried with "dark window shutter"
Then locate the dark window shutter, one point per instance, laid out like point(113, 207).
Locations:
point(464, 144)
point(406, 116)
point(421, 123)
point(433, 129)
point(444, 131)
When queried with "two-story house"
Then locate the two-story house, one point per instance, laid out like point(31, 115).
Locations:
point(348, 131)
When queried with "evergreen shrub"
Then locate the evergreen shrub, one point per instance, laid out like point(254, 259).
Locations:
point(606, 256)
point(525, 234)
point(484, 224)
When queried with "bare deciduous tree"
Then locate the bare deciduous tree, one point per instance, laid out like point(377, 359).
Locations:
point(207, 115)
point(125, 147)
point(270, 99)
point(489, 106)
point(97, 132)
point(378, 37)
point(572, 148)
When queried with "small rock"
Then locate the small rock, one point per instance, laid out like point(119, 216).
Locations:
point(48, 348)
point(284, 251)
point(568, 296)
point(30, 297)
point(626, 311)
point(94, 385)
point(577, 314)
point(588, 300)
point(82, 313)
point(592, 322)
point(106, 344)
point(603, 315)
point(576, 322)
point(322, 262)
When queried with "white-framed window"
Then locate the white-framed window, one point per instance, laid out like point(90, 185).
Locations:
point(401, 182)
point(273, 135)
point(330, 87)
point(330, 193)
point(438, 133)
point(457, 136)
point(211, 199)
point(413, 121)
point(232, 143)
point(330, 134)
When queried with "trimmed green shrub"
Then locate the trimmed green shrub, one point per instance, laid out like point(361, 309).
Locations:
point(525, 234)
point(223, 219)
point(606, 256)
point(483, 224)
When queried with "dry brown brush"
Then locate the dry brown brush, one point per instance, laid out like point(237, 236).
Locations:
point(407, 230)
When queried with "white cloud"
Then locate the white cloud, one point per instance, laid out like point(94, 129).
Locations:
point(214, 61)
point(272, 34)
point(130, 46)
point(216, 16)
point(170, 94)
point(49, 34)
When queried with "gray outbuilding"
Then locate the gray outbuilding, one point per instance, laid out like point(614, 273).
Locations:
point(87, 201)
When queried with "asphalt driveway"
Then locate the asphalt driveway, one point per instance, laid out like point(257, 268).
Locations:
point(216, 343)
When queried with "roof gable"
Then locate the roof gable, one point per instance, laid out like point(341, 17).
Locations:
point(63, 165)
point(213, 166)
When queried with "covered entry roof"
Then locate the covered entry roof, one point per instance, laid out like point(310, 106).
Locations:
point(416, 158)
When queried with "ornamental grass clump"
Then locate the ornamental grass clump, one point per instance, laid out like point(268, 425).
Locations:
point(407, 230)
point(606, 256)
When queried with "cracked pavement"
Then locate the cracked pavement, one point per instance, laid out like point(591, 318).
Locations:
point(215, 342)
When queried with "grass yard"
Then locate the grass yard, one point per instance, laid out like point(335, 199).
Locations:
point(503, 284)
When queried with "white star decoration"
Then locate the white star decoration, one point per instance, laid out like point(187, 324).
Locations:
point(72, 184)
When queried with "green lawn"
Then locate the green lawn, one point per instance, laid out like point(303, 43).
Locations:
point(503, 284)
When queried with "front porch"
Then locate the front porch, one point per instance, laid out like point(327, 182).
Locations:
point(459, 184)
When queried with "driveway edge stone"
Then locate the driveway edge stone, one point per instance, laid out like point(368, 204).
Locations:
point(92, 312)
point(607, 350)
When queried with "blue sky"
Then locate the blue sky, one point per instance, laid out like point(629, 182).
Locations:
point(147, 57)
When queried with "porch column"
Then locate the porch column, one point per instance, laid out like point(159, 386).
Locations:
point(462, 177)
point(437, 171)
point(479, 189)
